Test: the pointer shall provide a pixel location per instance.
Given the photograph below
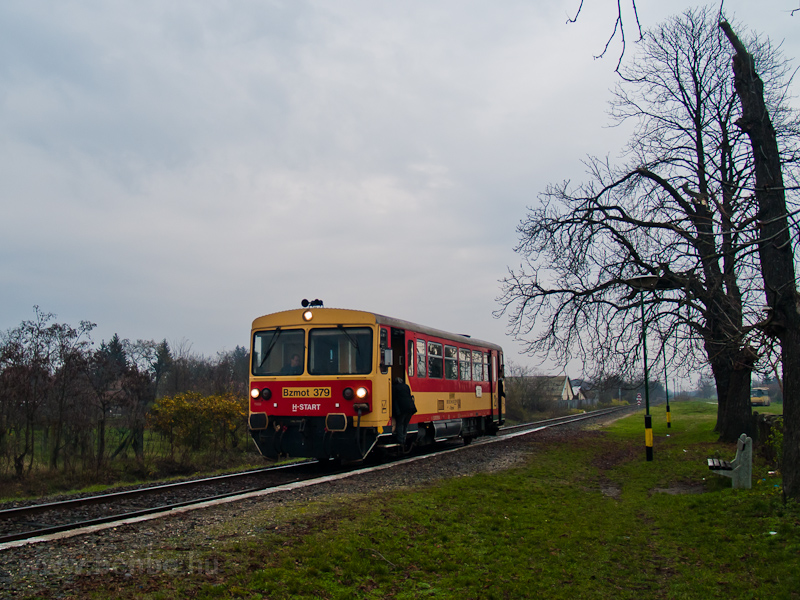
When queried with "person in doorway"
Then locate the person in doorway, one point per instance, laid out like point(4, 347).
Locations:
point(403, 408)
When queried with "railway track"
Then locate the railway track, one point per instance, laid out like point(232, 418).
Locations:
point(24, 522)
point(569, 419)
point(41, 520)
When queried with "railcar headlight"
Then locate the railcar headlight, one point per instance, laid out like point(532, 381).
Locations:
point(264, 394)
point(308, 315)
point(361, 392)
point(348, 393)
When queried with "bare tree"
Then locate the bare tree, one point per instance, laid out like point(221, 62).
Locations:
point(523, 391)
point(679, 211)
point(71, 355)
point(705, 385)
point(26, 359)
point(775, 246)
point(107, 370)
point(231, 371)
point(617, 30)
point(622, 24)
point(185, 371)
point(59, 397)
point(149, 363)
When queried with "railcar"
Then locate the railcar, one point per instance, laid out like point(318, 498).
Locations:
point(321, 384)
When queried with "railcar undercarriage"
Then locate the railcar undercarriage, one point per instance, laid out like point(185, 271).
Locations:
point(313, 436)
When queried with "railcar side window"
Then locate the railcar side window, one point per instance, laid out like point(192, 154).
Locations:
point(485, 366)
point(466, 364)
point(421, 361)
point(477, 366)
point(340, 351)
point(274, 350)
point(410, 361)
point(435, 367)
point(450, 362)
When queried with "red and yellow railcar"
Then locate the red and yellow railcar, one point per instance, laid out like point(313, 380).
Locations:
point(321, 383)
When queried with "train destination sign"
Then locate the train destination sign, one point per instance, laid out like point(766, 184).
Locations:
point(306, 392)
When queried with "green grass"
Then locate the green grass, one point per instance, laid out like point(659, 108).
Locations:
point(44, 481)
point(587, 519)
point(82, 472)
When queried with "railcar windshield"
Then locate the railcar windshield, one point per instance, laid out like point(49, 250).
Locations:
point(340, 351)
point(278, 352)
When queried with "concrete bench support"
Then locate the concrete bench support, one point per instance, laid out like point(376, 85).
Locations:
point(740, 469)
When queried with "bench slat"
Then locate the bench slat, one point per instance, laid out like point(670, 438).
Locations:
point(740, 469)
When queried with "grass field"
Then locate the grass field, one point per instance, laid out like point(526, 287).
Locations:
point(585, 520)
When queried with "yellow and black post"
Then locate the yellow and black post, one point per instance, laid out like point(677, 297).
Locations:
point(666, 391)
point(648, 421)
point(649, 283)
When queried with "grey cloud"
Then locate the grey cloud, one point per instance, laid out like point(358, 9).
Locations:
point(174, 169)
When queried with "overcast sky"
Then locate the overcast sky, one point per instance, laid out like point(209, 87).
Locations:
point(174, 169)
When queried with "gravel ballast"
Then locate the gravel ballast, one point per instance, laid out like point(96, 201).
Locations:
point(176, 543)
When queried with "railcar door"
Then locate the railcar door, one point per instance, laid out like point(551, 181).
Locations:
point(501, 389)
point(496, 385)
point(398, 353)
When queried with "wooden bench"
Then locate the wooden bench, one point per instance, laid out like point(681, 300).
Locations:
point(740, 469)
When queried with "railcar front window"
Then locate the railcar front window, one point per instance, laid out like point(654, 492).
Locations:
point(340, 351)
point(278, 352)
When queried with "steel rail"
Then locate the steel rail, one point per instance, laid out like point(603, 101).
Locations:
point(567, 419)
point(117, 517)
point(127, 494)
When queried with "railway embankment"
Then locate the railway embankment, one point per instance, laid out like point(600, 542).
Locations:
point(564, 513)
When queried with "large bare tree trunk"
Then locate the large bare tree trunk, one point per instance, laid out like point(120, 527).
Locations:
point(775, 249)
point(732, 375)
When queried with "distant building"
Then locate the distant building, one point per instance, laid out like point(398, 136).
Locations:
point(555, 388)
point(584, 394)
point(543, 393)
point(579, 395)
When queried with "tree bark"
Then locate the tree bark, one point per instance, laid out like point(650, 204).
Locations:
point(775, 249)
point(736, 417)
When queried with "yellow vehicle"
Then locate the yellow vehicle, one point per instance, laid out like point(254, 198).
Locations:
point(759, 396)
point(321, 384)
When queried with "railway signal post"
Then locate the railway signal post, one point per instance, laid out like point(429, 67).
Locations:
point(648, 420)
point(666, 391)
point(642, 284)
